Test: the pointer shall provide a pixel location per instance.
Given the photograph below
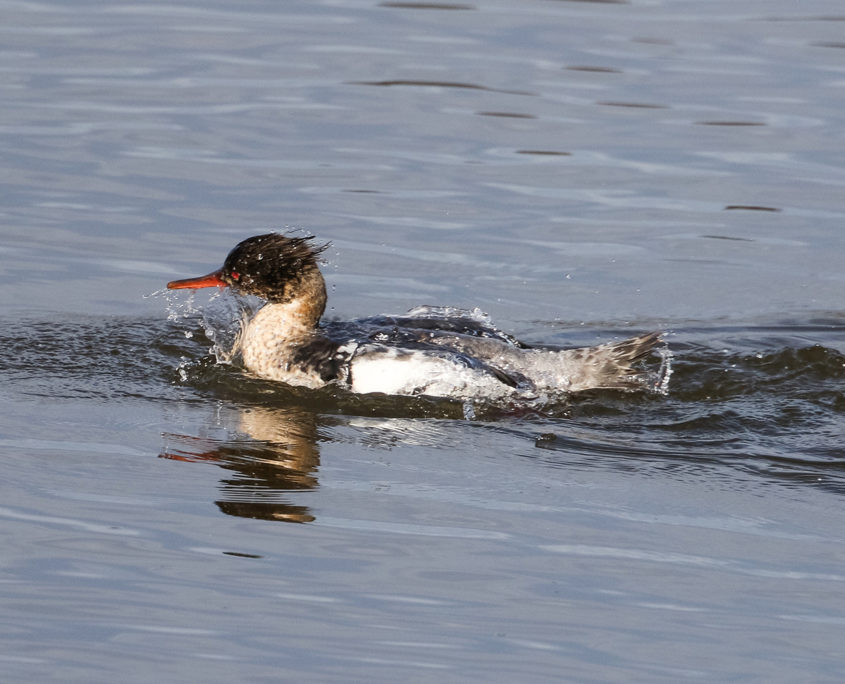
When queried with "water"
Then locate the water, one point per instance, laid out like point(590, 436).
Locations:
point(581, 171)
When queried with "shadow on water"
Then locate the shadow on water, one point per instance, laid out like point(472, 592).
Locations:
point(765, 400)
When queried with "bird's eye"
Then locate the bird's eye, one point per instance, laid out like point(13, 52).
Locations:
point(236, 275)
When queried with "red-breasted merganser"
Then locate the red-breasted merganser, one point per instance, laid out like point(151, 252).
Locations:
point(431, 351)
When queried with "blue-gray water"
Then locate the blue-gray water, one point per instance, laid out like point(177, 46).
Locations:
point(580, 171)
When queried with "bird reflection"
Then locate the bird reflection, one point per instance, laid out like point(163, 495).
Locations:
point(270, 451)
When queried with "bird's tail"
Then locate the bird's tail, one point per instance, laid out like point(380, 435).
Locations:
point(612, 366)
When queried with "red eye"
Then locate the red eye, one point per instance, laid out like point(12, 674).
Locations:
point(236, 275)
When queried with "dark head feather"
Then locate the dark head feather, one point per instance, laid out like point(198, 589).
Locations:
point(271, 266)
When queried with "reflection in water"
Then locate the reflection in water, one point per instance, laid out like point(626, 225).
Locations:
point(547, 153)
point(275, 451)
point(508, 115)
point(594, 69)
point(439, 84)
point(750, 207)
point(426, 5)
point(730, 123)
point(633, 105)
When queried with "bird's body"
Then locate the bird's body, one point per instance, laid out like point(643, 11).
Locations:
point(432, 351)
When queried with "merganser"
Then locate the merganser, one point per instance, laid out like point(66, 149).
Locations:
point(431, 351)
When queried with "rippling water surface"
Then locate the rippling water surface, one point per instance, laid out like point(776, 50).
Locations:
point(582, 171)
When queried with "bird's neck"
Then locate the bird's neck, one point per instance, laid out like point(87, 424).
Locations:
point(303, 304)
point(278, 325)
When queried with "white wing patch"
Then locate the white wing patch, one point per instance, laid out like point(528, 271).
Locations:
point(394, 371)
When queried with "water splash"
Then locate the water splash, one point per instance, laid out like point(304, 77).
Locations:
point(657, 381)
point(223, 321)
point(428, 311)
point(221, 315)
point(664, 373)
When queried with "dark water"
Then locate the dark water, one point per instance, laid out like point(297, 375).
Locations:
point(580, 170)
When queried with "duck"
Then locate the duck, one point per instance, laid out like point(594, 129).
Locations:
point(434, 351)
